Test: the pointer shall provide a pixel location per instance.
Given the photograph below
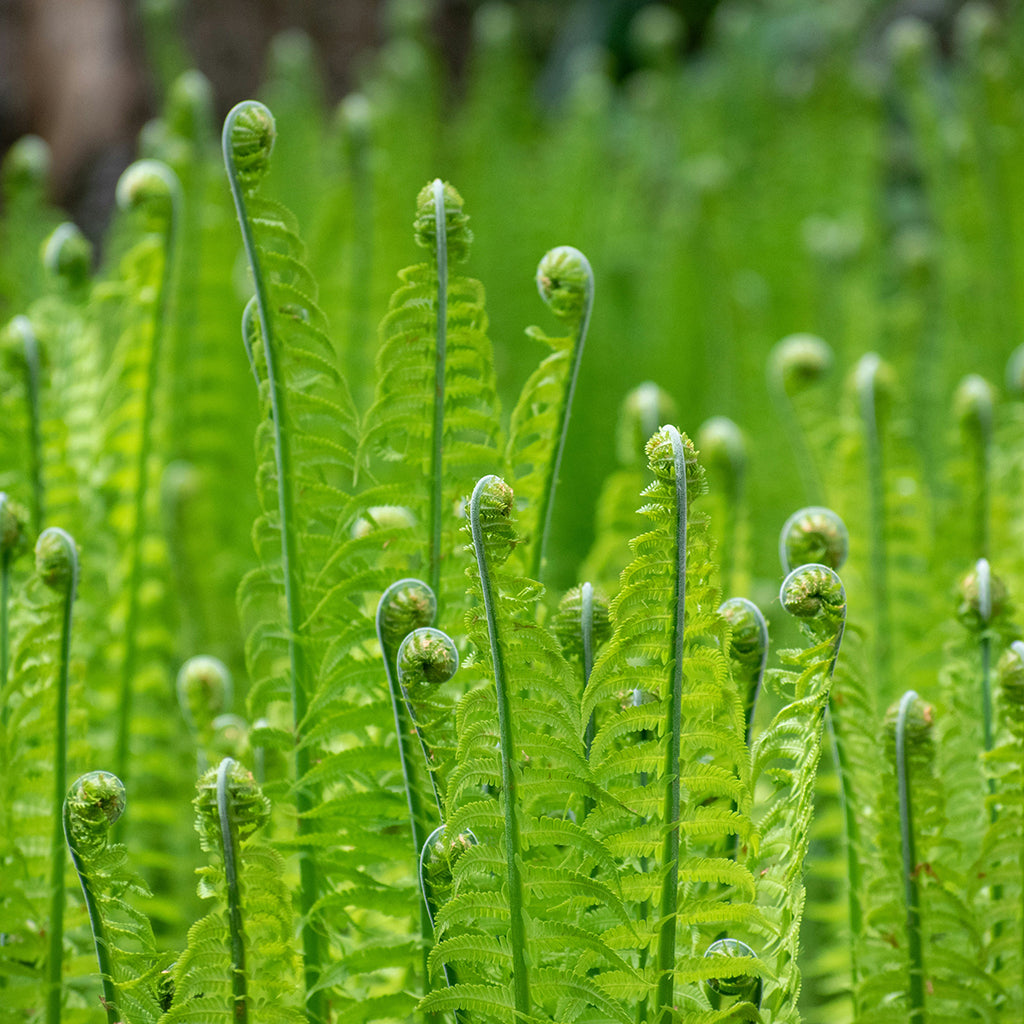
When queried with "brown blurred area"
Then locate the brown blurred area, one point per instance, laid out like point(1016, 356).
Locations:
point(79, 73)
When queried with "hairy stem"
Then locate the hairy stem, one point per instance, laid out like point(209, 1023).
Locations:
point(299, 673)
point(509, 787)
point(670, 847)
point(915, 975)
point(229, 843)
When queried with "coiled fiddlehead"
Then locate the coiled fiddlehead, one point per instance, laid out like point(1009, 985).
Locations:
point(57, 567)
point(94, 803)
point(798, 363)
point(748, 650)
point(723, 452)
point(540, 420)
point(22, 334)
point(974, 410)
point(204, 692)
point(813, 535)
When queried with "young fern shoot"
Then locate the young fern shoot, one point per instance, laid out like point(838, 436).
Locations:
point(540, 420)
point(13, 541)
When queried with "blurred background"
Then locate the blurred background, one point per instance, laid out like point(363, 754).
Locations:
point(737, 172)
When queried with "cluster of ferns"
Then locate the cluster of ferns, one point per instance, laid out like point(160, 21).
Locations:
point(454, 794)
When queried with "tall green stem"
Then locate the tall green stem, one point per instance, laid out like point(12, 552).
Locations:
point(509, 783)
point(259, 125)
point(547, 501)
point(915, 977)
point(149, 174)
point(57, 563)
point(95, 802)
point(440, 354)
point(23, 326)
point(670, 817)
point(229, 843)
point(867, 380)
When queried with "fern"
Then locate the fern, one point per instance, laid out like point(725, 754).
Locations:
point(125, 948)
point(435, 408)
point(239, 957)
point(540, 420)
point(672, 679)
point(786, 755)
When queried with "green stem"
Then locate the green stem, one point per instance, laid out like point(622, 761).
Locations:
point(99, 932)
point(670, 848)
point(509, 787)
point(5, 596)
point(55, 960)
point(547, 502)
point(440, 354)
point(587, 631)
point(229, 842)
point(914, 949)
point(867, 373)
point(122, 756)
point(851, 828)
point(23, 326)
point(298, 669)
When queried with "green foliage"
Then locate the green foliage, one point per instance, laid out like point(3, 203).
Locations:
point(451, 794)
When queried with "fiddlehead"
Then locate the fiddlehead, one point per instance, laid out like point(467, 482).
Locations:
point(813, 535)
point(204, 692)
point(798, 364)
point(540, 420)
point(128, 966)
point(748, 649)
point(974, 410)
point(723, 450)
point(21, 333)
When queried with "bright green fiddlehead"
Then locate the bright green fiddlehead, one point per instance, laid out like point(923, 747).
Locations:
point(540, 420)
point(57, 566)
point(813, 535)
point(723, 450)
point(129, 976)
point(21, 328)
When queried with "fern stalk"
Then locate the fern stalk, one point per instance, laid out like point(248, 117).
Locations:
point(670, 847)
point(915, 975)
point(229, 842)
point(30, 347)
point(57, 564)
point(247, 141)
point(440, 353)
point(12, 541)
point(95, 802)
point(146, 181)
point(582, 306)
point(513, 846)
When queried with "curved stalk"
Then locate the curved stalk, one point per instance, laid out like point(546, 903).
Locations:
point(246, 157)
point(229, 843)
point(670, 847)
point(57, 563)
point(547, 503)
point(12, 542)
point(509, 785)
point(95, 802)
